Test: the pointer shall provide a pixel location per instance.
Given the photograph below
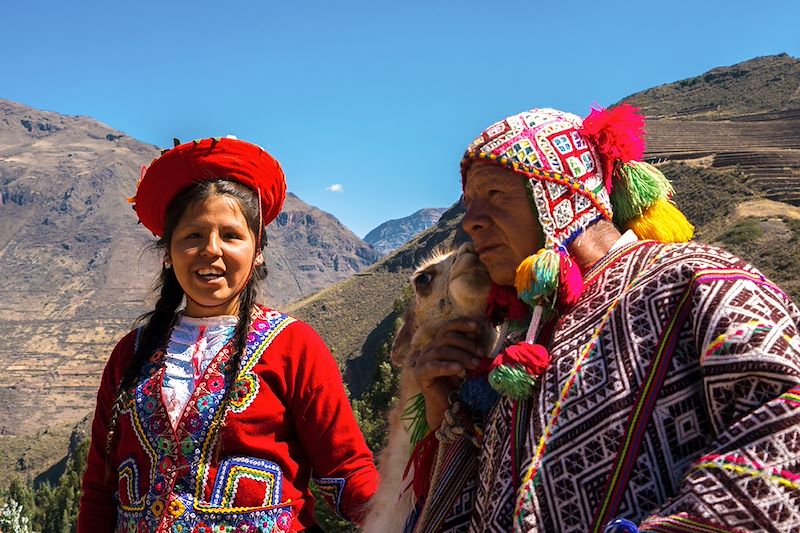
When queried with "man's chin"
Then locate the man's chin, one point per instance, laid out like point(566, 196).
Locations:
point(501, 276)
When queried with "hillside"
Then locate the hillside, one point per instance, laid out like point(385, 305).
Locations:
point(760, 85)
point(744, 117)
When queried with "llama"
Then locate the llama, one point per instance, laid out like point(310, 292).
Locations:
point(446, 286)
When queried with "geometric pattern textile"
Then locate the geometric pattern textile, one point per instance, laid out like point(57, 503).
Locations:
point(721, 451)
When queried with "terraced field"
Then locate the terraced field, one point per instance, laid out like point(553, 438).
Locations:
point(764, 146)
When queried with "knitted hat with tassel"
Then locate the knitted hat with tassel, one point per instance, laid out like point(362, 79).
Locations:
point(580, 172)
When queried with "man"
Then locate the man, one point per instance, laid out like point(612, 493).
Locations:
point(650, 385)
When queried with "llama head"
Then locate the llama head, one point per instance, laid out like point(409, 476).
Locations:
point(446, 286)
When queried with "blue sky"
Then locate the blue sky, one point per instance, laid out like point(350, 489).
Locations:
point(379, 98)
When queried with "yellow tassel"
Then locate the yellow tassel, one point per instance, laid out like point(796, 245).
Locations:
point(663, 222)
point(524, 278)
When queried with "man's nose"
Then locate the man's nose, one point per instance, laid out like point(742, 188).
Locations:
point(474, 219)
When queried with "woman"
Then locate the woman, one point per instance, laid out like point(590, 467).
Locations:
point(214, 416)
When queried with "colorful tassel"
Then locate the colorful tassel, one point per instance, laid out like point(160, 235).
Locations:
point(515, 369)
point(570, 279)
point(512, 382)
point(662, 222)
point(537, 276)
point(640, 185)
point(617, 135)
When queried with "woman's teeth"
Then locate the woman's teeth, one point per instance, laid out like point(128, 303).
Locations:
point(209, 274)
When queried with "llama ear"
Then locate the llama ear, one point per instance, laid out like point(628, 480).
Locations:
point(402, 340)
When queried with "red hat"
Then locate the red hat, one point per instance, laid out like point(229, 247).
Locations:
point(208, 159)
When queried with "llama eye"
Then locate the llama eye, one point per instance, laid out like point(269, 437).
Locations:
point(423, 279)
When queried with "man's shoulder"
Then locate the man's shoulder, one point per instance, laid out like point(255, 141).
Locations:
point(695, 257)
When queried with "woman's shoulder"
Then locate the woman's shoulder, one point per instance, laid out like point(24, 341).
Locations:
point(128, 342)
point(268, 320)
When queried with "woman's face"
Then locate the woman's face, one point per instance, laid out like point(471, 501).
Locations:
point(212, 251)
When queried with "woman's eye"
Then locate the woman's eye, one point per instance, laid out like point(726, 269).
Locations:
point(232, 236)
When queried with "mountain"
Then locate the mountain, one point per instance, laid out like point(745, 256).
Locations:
point(392, 234)
point(77, 271)
point(309, 249)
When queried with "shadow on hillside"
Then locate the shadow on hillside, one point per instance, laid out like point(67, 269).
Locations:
point(360, 371)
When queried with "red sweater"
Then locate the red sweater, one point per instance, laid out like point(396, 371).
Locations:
point(289, 417)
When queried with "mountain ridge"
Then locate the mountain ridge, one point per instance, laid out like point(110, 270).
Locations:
point(392, 234)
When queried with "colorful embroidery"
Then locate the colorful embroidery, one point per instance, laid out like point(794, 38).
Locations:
point(244, 391)
point(129, 479)
point(742, 465)
point(232, 469)
point(738, 334)
point(332, 488)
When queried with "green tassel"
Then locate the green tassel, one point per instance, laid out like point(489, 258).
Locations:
point(639, 186)
point(511, 381)
point(415, 415)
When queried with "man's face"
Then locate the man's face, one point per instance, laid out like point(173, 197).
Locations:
point(499, 219)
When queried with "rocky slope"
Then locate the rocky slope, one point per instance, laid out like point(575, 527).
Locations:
point(392, 234)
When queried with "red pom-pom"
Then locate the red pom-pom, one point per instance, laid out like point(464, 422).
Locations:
point(617, 135)
point(533, 358)
point(504, 304)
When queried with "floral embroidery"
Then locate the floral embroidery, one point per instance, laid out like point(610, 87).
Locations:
point(176, 508)
point(157, 508)
point(202, 527)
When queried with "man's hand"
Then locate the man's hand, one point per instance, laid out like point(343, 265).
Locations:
point(443, 363)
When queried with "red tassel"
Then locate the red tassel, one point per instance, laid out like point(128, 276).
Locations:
point(533, 358)
point(570, 280)
point(617, 135)
point(504, 304)
point(423, 458)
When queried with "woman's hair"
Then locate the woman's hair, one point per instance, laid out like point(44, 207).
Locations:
point(157, 324)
